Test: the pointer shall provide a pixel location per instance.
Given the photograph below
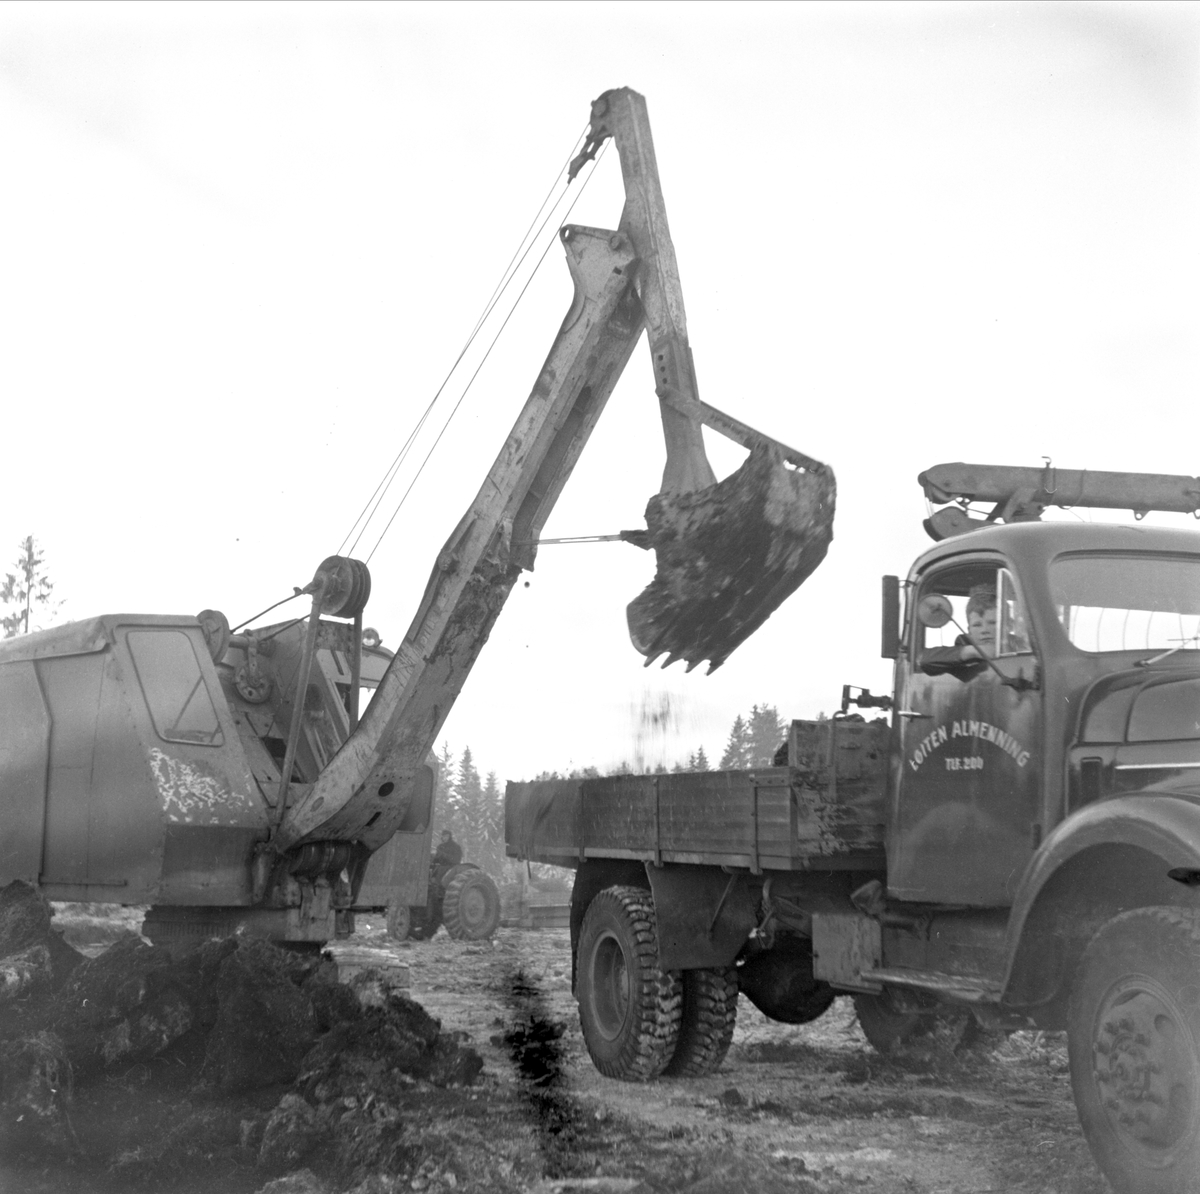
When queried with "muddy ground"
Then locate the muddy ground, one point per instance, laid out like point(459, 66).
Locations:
point(808, 1108)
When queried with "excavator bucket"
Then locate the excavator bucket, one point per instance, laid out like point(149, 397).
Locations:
point(729, 554)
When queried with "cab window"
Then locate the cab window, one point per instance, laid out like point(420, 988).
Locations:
point(1126, 602)
point(173, 685)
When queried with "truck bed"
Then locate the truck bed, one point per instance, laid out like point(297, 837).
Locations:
point(823, 810)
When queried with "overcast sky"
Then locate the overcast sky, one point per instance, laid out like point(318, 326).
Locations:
point(243, 244)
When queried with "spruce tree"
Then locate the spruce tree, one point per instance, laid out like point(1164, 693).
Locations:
point(443, 793)
point(470, 808)
point(701, 761)
point(765, 733)
point(737, 752)
point(26, 590)
point(492, 858)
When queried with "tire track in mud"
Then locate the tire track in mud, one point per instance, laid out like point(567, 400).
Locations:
point(534, 1043)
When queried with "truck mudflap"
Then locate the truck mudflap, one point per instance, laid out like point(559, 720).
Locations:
point(1136, 850)
point(704, 915)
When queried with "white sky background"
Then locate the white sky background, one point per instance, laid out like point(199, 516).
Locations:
point(243, 244)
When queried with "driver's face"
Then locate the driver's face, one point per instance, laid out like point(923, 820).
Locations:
point(981, 626)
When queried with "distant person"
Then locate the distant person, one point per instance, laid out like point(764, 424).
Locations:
point(449, 852)
point(963, 658)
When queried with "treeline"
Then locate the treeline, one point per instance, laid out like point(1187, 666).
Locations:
point(472, 807)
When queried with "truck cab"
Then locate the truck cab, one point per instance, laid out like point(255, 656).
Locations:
point(1096, 645)
point(1020, 846)
point(1074, 745)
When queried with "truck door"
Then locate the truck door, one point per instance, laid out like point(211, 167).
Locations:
point(961, 825)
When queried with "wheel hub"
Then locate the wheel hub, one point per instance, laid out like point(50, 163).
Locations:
point(609, 986)
point(472, 907)
point(1145, 1069)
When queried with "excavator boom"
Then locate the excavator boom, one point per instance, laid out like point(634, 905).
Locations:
point(365, 790)
point(728, 552)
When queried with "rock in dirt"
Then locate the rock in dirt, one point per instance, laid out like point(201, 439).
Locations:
point(265, 1023)
point(291, 1133)
point(25, 926)
point(24, 917)
point(35, 1092)
point(333, 1003)
point(25, 973)
point(367, 1053)
point(122, 1006)
point(303, 1181)
point(381, 1183)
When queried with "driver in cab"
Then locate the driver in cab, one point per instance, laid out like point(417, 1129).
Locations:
point(969, 648)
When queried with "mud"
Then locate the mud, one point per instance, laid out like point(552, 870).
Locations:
point(806, 1108)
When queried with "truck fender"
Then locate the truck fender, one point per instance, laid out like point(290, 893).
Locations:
point(1104, 859)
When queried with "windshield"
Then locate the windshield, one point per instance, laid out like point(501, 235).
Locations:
point(1131, 602)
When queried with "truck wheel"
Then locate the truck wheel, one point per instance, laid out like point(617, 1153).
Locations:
point(629, 1008)
point(471, 906)
point(399, 922)
point(885, 1025)
point(706, 1025)
point(1133, 1037)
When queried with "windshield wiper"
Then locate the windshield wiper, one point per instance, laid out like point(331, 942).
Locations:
point(1163, 655)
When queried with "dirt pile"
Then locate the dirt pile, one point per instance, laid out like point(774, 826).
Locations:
point(238, 1059)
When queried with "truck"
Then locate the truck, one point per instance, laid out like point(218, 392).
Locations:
point(224, 776)
point(1015, 834)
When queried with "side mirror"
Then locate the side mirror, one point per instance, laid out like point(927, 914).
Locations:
point(934, 610)
point(890, 629)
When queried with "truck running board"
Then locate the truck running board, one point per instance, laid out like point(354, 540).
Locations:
point(965, 989)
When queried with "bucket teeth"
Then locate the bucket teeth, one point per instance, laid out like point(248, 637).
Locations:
point(729, 555)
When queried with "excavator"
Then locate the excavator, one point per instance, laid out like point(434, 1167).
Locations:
point(228, 781)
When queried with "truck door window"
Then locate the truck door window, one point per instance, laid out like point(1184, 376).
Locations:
point(171, 680)
point(1126, 602)
point(967, 587)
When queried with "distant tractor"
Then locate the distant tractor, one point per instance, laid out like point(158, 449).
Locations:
point(463, 898)
point(457, 894)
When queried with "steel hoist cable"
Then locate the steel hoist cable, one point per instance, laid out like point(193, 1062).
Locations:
point(367, 513)
point(522, 251)
point(488, 353)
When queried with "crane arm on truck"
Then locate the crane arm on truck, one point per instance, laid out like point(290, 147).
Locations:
point(728, 552)
point(1022, 494)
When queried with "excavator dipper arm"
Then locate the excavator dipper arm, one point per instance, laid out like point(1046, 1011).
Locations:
point(728, 553)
